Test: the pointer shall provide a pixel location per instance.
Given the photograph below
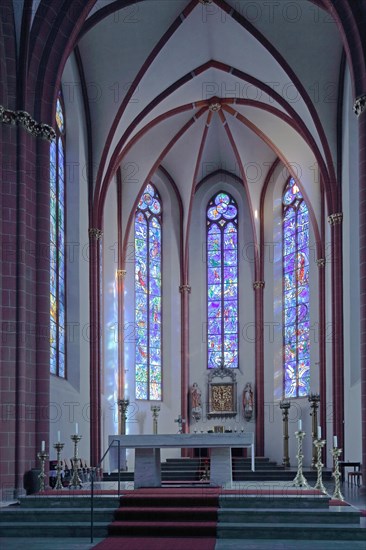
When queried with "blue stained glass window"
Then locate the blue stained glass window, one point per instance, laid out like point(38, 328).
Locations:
point(222, 282)
point(296, 333)
point(148, 309)
point(57, 246)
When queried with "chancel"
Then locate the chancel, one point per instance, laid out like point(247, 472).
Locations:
point(183, 256)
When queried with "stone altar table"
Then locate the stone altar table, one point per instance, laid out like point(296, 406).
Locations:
point(147, 453)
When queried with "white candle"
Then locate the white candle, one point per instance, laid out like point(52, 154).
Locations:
point(300, 425)
point(76, 428)
point(319, 432)
point(59, 436)
point(43, 446)
point(335, 441)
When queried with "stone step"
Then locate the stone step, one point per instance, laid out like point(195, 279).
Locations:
point(271, 501)
point(53, 529)
point(20, 514)
point(68, 501)
point(298, 531)
point(284, 515)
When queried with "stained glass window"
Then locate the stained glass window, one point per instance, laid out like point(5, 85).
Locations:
point(295, 227)
point(148, 235)
point(57, 246)
point(222, 282)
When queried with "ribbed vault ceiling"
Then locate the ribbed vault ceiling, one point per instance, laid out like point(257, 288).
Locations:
point(232, 86)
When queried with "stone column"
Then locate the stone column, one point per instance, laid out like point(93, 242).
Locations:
point(322, 352)
point(95, 391)
point(258, 287)
point(360, 111)
point(185, 290)
point(335, 221)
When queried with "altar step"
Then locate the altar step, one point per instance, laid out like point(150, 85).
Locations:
point(48, 516)
point(232, 515)
point(191, 469)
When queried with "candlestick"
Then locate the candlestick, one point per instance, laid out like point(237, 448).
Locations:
point(319, 444)
point(123, 406)
point(75, 480)
point(41, 476)
point(155, 409)
point(314, 400)
point(299, 480)
point(58, 446)
point(336, 474)
point(285, 406)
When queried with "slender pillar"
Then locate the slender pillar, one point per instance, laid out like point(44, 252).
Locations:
point(94, 272)
point(185, 290)
point(335, 221)
point(258, 287)
point(360, 110)
point(121, 275)
point(322, 354)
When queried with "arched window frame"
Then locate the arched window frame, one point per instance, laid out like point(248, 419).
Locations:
point(57, 244)
point(222, 336)
point(148, 296)
point(296, 292)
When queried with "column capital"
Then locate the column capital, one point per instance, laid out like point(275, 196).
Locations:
point(258, 285)
point(121, 273)
point(359, 105)
point(96, 233)
point(24, 119)
point(336, 218)
point(320, 262)
point(185, 288)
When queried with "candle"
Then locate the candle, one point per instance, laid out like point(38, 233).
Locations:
point(58, 436)
point(300, 425)
point(43, 446)
point(319, 432)
point(76, 428)
point(335, 442)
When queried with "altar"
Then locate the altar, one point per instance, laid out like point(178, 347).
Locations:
point(148, 461)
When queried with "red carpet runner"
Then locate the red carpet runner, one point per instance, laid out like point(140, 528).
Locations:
point(164, 519)
point(174, 519)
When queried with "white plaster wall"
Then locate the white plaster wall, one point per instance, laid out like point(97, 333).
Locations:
point(273, 332)
point(139, 417)
point(70, 397)
point(351, 278)
point(198, 302)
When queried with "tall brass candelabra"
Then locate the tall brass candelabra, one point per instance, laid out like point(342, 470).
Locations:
point(336, 473)
point(285, 406)
point(319, 444)
point(42, 455)
point(155, 409)
point(123, 406)
point(300, 480)
point(75, 480)
point(58, 447)
point(314, 400)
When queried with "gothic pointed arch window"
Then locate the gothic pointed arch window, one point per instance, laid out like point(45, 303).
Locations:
point(57, 246)
point(296, 292)
point(222, 282)
point(148, 298)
